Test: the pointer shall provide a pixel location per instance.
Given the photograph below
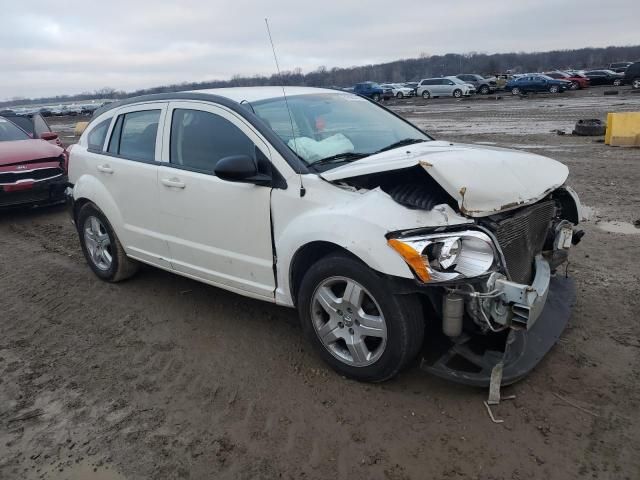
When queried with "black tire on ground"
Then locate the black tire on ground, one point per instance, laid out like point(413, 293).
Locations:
point(635, 83)
point(590, 128)
point(399, 95)
point(554, 89)
point(457, 93)
point(402, 313)
point(515, 91)
point(376, 97)
point(574, 86)
point(426, 95)
point(485, 90)
point(122, 267)
point(617, 82)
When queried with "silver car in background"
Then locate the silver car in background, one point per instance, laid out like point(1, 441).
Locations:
point(444, 87)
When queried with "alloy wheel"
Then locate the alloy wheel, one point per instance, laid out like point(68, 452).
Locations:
point(348, 321)
point(98, 243)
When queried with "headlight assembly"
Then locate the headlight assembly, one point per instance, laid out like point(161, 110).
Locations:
point(442, 257)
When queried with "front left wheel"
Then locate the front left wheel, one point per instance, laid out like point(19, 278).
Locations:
point(361, 329)
point(457, 93)
point(101, 247)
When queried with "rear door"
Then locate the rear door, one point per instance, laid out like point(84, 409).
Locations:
point(217, 231)
point(128, 169)
point(596, 77)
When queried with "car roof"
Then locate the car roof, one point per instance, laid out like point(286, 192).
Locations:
point(255, 94)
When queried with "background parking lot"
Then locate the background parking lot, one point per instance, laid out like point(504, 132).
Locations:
point(162, 377)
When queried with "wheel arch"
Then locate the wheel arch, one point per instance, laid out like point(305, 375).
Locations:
point(88, 189)
point(307, 255)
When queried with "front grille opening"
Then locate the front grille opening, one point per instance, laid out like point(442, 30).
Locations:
point(39, 174)
point(522, 236)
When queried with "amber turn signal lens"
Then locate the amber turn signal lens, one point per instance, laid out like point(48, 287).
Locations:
point(412, 257)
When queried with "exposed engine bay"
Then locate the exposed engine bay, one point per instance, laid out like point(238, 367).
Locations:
point(530, 243)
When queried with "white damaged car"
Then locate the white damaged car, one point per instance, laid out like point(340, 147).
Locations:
point(391, 245)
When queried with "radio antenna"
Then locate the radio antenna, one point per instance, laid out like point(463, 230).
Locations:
point(286, 102)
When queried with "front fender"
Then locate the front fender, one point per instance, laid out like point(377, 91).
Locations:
point(357, 222)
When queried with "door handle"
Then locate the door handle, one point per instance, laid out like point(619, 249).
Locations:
point(172, 183)
point(106, 168)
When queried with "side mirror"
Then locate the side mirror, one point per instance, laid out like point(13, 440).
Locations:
point(241, 168)
point(48, 136)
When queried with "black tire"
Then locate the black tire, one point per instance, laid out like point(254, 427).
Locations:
point(402, 313)
point(457, 93)
point(617, 82)
point(121, 266)
point(485, 90)
point(399, 95)
point(516, 91)
point(591, 127)
point(426, 95)
point(635, 83)
point(376, 97)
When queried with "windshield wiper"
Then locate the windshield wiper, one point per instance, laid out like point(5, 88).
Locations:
point(340, 157)
point(401, 143)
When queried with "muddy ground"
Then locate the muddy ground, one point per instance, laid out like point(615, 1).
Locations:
point(162, 377)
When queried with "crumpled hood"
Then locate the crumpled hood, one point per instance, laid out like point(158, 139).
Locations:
point(483, 180)
point(20, 151)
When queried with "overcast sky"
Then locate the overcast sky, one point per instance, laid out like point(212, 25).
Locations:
point(73, 46)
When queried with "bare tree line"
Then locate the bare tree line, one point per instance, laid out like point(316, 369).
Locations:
point(411, 69)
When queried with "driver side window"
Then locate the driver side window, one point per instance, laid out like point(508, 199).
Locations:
point(200, 139)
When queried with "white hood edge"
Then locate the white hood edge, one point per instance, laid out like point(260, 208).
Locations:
point(483, 180)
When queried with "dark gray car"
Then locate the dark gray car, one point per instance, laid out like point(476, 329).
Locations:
point(483, 85)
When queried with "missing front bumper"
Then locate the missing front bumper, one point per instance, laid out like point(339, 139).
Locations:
point(464, 362)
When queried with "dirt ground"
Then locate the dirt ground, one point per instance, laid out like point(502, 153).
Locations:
point(162, 377)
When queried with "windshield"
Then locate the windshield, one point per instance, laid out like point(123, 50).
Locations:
point(335, 127)
point(9, 132)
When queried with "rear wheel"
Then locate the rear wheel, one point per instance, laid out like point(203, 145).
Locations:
point(355, 323)
point(457, 93)
point(617, 82)
point(636, 83)
point(426, 95)
point(101, 246)
point(484, 90)
point(515, 91)
point(574, 86)
point(554, 89)
point(376, 97)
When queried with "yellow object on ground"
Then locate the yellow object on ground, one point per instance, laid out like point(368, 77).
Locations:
point(623, 129)
point(80, 127)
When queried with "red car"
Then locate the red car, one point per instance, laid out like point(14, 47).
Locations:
point(35, 126)
point(578, 81)
point(32, 171)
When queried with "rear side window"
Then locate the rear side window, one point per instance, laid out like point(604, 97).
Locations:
point(200, 139)
point(134, 135)
point(97, 135)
